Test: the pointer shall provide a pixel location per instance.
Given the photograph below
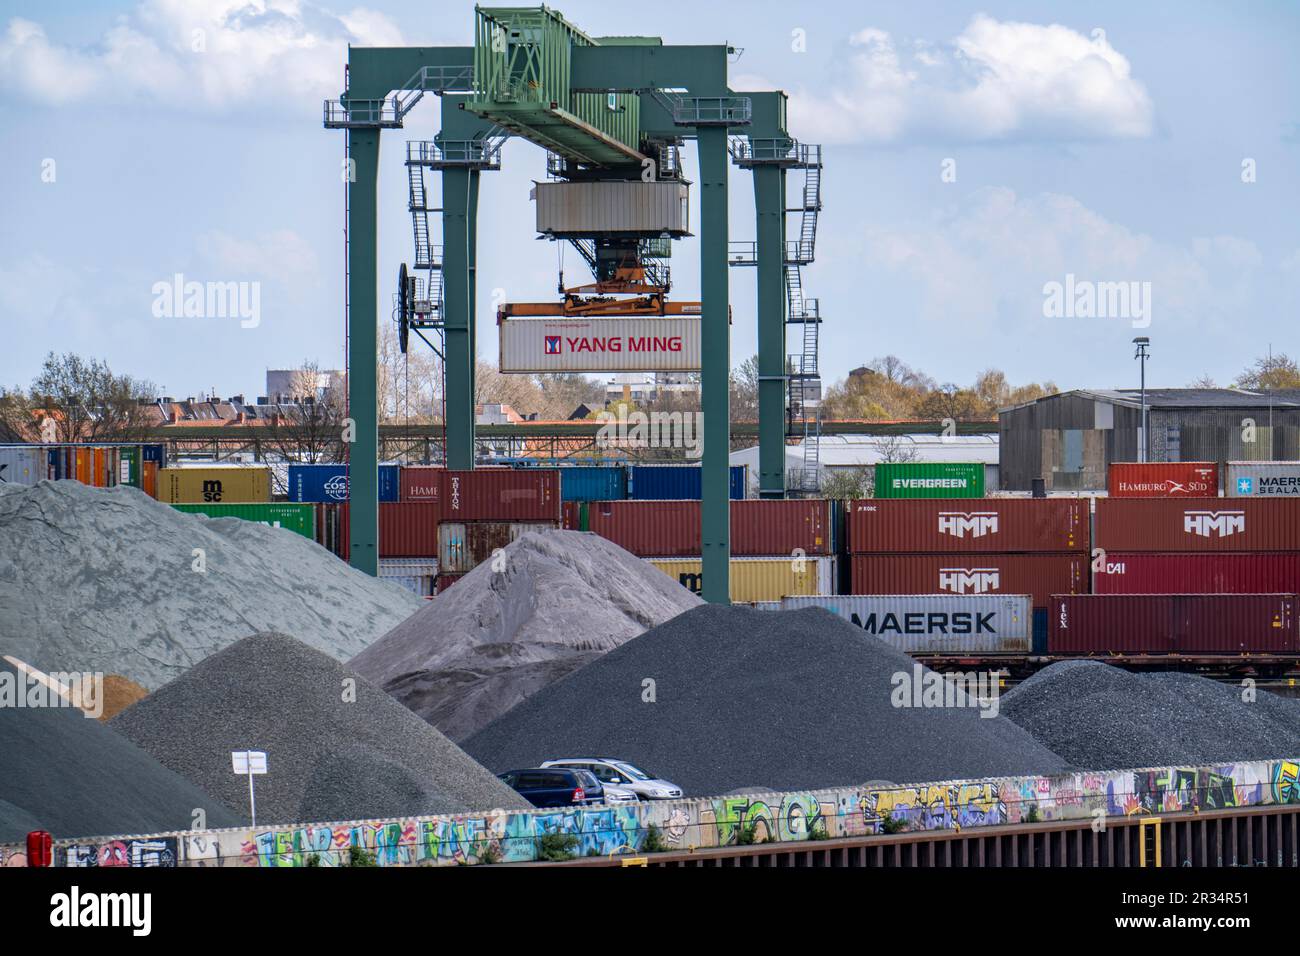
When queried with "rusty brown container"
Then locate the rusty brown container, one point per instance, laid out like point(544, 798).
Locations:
point(983, 525)
point(1038, 575)
point(1197, 524)
point(1184, 624)
point(759, 528)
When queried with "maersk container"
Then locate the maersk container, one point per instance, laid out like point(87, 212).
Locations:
point(759, 527)
point(216, 484)
point(1252, 479)
point(1244, 572)
point(1038, 575)
point(677, 482)
point(463, 546)
point(332, 482)
point(757, 579)
point(593, 483)
point(1006, 525)
point(1197, 524)
point(298, 518)
point(935, 623)
point(22, 465)
point(1183, 624)
point(929, 479)
point(1163, 479)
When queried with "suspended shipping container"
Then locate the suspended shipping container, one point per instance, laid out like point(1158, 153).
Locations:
point(757, 579)
point(1247, 572)
point(1197, 524)
point(935, 623)
point(1038, 575)
point(678, 482)
point(463, 546)
point(600, 344)
point(1250, 479)
point(331, 482)
point(1185, 624)
point(929, 479)
point(298, 518)
point(593, 483)
point(22, 465)
point(213, 485)
point(1163, 479)
point(985, 525)
point(672, 528)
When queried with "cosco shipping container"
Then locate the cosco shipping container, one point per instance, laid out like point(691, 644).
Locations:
point(935, 623)
point(1163, 479)
point(1249, 479)
point(672, 528)
point(220, 484)
point(1197, 524)
point(593, 483)
point(677, 482)
point(332, 482)
point(298, 518)
point(757, 579)
point(463, 546)
point(1185, 624)
point(929, 479)
point(1038, 575)
point(984, 525)
point(1244, 572)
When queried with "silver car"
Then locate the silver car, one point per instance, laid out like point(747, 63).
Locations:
point(622, 775)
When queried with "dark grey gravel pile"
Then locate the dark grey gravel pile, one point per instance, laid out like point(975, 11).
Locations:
point(340, 760)
point(1099, 717)
point(77, 778)
point(787, 699)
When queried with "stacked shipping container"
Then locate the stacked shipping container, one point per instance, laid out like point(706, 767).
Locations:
point(1163, 479)
point(1183, 624)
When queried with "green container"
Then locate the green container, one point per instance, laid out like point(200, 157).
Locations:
point(130, 466)
point(924, 479)
point(298, 518)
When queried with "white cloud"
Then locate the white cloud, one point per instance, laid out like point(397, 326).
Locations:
point(282, 254)
point(208, 53)
point(996, 81)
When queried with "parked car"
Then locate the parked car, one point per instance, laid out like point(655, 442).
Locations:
point(555, 786)
point(612, 772)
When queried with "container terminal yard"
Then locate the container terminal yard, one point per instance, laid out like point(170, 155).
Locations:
point(605, 595)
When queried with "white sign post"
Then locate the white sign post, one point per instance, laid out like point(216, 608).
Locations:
point(247, 763)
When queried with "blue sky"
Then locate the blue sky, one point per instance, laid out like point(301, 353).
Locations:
point(1104, 141)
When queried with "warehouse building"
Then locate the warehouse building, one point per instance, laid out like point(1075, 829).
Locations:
point(1069, 439)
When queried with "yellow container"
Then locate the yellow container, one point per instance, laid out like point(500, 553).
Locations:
point(222, 485)
point(758, 579)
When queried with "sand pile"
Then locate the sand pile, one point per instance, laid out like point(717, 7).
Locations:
point(338, 747)
point(104, 579)
point(560, 600)
point(788, 699)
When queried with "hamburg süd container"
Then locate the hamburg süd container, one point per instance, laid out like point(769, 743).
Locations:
point(1038, 575)
point(935, 623)
point(759, 527)
point(463, 546)
point(929, 479)
point(593, 483)
point(1183, 624)
point(1163, 479)
point(225, 484)
point(677, 482)
point(1249, 479)
point(1004, 525)
point(1238, 572)
point(757, 579)
point(295, 517)
point(331, 482)
point(1197, 524)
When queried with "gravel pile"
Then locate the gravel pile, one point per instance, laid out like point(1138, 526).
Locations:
point(338, 748)
point(1100, 717)
point(64, 772)
point(562, 599)
point(789, 699)
point(102, 579)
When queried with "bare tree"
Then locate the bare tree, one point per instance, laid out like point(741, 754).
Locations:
point(311, 429)
point(82, 400)
point(1270, 372)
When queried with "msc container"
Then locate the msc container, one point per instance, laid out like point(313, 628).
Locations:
point(929, 479)
point(1185, 624)
point(672, 528)
point(987, 525)
point(1258, 572)
point(614, 206)
point(417, 575)
point(463, 546)
point(214, 485)
point(331, 482)
point(22, 465)
point(1038, 575)
point(1250, 479)
point(593, 483)
point(1197, 524)
point(757, 579)
point(935, 623)
point(527, 494)
point(298, 518)
point(420, 483)
point(677, 482)
point(1163, 479)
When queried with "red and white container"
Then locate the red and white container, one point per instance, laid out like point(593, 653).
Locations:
point(1197, 524)
point(1038, 575)
point(1163, 479)
point(1243, 572)
point(986, 525)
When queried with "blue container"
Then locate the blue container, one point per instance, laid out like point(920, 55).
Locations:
point(329, 482)
point(676, 482)
point(156, 453)
point(1040, 630)
point(593, 483)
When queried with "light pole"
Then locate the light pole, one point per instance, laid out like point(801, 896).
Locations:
point(1142, 342)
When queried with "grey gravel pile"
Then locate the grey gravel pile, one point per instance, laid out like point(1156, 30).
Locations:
point(103, 579)
point(789, 699)
point(561, 599)
point(67, 773)
point(330, 758)
point(1100, 717)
